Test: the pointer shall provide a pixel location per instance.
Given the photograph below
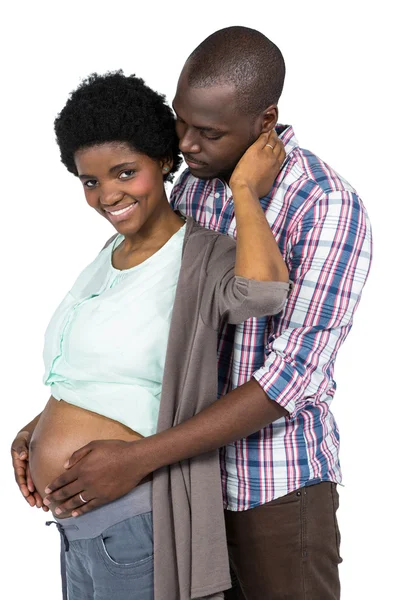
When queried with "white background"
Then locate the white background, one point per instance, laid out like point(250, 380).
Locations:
point(340, 96)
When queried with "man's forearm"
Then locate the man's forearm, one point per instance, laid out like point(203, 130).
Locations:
point(238, 414)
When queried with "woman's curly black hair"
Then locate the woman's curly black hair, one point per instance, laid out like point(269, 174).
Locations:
point(117, 108)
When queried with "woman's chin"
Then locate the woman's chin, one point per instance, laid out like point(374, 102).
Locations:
point(128, 227)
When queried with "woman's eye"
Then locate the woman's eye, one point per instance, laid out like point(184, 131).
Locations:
point(91, 183)
point(126, 174)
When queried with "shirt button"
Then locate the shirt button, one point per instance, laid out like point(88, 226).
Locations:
point(217, 195)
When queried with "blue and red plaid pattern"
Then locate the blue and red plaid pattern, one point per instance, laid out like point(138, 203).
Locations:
point(324, 234)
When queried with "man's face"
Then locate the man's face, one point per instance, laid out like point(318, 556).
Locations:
point(213, 135)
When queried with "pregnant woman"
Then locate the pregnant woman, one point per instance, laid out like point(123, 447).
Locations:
point(131, 350)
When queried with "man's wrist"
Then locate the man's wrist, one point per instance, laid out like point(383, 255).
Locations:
point(144, 456)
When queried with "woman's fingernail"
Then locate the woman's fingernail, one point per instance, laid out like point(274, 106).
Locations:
point(66, 465)
point(47, 490)
point(75, 514)
point(22, 455)
point(58, 511)
point(46, 501)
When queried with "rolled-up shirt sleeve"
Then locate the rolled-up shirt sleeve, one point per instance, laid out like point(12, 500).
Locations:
point(233, 299)
point(329, 259)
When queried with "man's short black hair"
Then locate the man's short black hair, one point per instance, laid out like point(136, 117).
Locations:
point(241, 57)
point(117, 108)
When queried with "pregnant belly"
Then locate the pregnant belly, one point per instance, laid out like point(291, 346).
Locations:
point(62, 429)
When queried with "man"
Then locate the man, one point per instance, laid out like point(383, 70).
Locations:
point(276, 375)
point(279, 484)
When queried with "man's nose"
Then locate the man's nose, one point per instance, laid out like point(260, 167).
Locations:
point(189, 141)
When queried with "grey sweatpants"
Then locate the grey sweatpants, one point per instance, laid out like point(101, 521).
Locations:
point(108, 555)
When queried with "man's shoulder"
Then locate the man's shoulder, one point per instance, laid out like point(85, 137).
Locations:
point(320, 174)
point(310, 185)
point(305, 172)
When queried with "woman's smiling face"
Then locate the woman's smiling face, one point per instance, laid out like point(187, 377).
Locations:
point(124, 186)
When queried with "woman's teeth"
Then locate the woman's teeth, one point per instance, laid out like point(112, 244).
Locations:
point(122, 210)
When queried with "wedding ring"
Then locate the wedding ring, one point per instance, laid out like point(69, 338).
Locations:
point(269, 146)
point(82, 499)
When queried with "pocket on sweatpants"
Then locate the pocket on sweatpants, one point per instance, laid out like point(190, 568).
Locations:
point(129, 543)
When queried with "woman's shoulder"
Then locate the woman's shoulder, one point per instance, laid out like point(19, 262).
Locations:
point(208, 237)
point(208, 250)
point(110, 241)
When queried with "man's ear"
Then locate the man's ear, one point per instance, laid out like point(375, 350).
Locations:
point(269, 118)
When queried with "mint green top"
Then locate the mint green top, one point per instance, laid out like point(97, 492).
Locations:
point(105, 345)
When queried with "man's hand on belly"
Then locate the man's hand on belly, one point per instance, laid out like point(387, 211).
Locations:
point(99, 472)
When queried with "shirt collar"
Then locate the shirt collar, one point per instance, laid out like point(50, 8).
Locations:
point(286, 134)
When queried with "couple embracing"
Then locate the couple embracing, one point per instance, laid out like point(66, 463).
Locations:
point(188, 449)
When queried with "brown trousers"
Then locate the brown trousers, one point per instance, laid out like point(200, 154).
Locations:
point(287, 549)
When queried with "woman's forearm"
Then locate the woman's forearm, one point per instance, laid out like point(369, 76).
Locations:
point(257, 253)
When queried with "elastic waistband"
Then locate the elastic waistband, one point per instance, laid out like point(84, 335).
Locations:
point(93, 523)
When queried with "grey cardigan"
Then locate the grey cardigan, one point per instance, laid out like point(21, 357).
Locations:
point(190, 549)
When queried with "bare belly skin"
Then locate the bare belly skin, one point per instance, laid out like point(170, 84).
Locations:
point(62, 429)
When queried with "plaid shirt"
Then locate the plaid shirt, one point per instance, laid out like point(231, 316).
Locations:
point(324, 234)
